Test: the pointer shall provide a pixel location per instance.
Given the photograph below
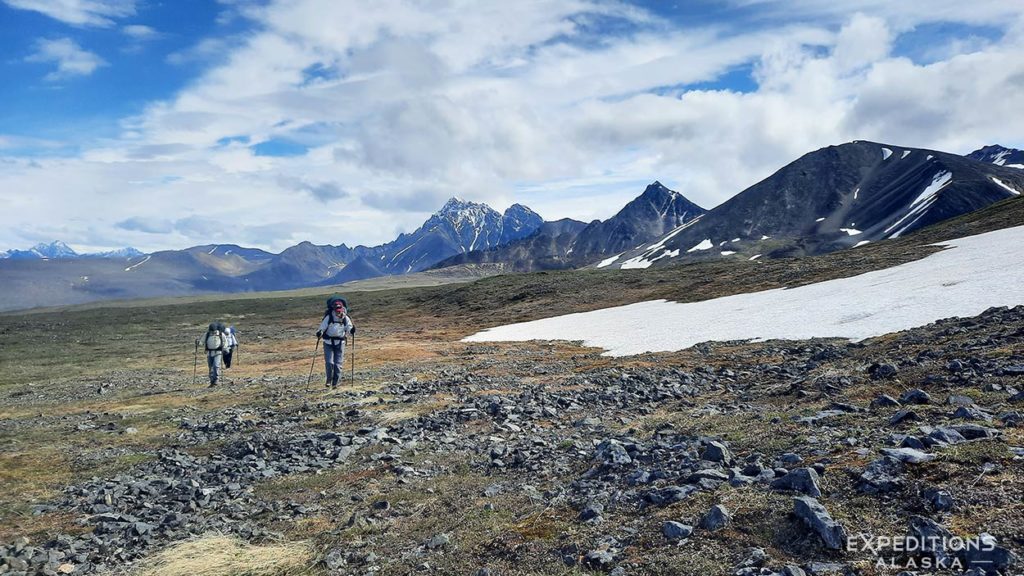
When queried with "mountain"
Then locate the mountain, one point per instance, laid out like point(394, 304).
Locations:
point(569, 243)
point(459, 227)
point(1000, 156)
point(55, 249)
point(60, 250)
point(836, 197)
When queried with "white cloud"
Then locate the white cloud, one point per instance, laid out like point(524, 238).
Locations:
point(402, 106)
point(70, 58)
point(99, 13)
point(140, 32)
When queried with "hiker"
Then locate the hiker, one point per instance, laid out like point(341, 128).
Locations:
point(214, 342)
point(334, 329)
point(231, 342)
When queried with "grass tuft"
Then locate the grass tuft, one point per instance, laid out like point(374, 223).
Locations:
point(218, 555)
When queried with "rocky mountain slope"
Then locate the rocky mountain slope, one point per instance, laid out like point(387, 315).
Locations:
point(571, 244)
point(834, 198)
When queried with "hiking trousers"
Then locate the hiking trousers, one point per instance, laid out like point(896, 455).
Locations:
point(213, 362)
point(334, 361)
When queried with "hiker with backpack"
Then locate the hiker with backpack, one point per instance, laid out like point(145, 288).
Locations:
point(215, 343)
point(334, 329)
point(230, 345)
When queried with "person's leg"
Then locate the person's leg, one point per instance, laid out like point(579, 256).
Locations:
point(227, 358)
point(328, 363)
point(339, 353)
point(217, 364)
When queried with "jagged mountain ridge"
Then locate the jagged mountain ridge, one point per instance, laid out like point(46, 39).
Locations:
point(833, 198)
point(1000, 156)
point(570, 243)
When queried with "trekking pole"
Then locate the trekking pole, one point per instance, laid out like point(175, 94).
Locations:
point(352, 377)
point(313, 363)
point(195, 363)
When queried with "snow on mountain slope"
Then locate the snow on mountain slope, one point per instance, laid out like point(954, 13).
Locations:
point(970, 276)
point(1000, 156)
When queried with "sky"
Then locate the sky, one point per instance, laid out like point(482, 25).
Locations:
point(162, 124)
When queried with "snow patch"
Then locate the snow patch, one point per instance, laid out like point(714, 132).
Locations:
point(705, 244)
point(1004, 185)
point(886, 153)
point(974, 274)
point(129, 269)
point(1018, 166)
point(754, 257)
point(212, 250)
point(820, 220)
point(636, 263)
point(765, 237)
point(861, 243)
point(855, 193)
point(850, 231)
point(922, 203)
point(727, 252)
point(608, 261)
point(905, 154)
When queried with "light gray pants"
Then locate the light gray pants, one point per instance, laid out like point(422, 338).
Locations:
point(334, 361)
point(213, 361)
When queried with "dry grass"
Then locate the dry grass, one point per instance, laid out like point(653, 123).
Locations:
point(218, 555)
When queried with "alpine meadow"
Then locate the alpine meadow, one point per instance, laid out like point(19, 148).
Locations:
point(549, 287)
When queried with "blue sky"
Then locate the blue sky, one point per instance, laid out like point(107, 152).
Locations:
point(265, 123)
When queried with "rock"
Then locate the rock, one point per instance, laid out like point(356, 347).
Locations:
point(716, 518)
point(334, 559)
point(715, 451)
point(941, 436)
point(669, 494)
point(976, 432)
point(959, 400)
point(915, 396)
point(903, 416)
point(438, 541)
point(790, 458)
point(611, 452)
point(930, 537)
point(939, 500)
point(1012, 419)
point(591, 513)
point(885, 401)
point(1016, 398)
point(676, 530)
point(818, 519)
point(908, 455)
point(599, 559)
point(989, 556)
point(882, 371)
point(803, 480)
point(793, 570)
point(971, 413)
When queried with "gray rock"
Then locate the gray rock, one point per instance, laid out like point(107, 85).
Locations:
point(908, 455)
point(803, 480)
point(976, 432)
point(599, 559)
point(715, 451)
point(818, 519)
point(591, 513)
point(716, 518)
point(903, 416)
point(989, 556)
point(885, 401)
point(676, 530)
point(915, 396)
point(438, 541)
point(940, 500)
point(971, 413)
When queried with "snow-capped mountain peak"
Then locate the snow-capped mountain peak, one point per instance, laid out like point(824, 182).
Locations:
point(1000, 156)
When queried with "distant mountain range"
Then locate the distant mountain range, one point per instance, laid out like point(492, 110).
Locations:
point(58, 249)
point(834, 198)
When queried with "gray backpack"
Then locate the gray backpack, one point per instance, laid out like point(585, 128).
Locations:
point(214, 341)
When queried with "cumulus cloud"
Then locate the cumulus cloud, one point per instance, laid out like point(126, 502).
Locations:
point(140, 32)
point(101, 13)
point(71, 59)
point(398, 108)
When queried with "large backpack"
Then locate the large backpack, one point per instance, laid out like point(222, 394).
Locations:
point(214, 337)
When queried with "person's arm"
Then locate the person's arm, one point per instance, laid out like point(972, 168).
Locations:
point(350, 328)
point(323, 326)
